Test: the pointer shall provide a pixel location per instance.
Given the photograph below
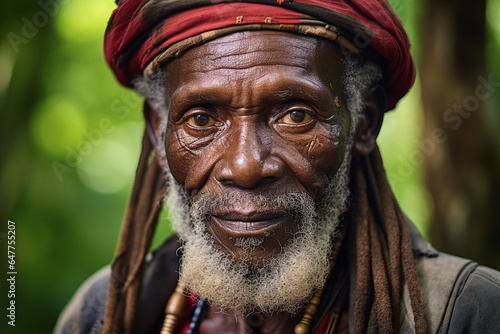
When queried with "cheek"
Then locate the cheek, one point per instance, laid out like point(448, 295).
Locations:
point(323, 147)
point(326, 149)
point(191, 160)
point(179, 156)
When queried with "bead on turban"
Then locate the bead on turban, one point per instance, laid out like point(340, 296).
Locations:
point(143, 34)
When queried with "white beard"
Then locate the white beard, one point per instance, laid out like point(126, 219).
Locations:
point(283, 282)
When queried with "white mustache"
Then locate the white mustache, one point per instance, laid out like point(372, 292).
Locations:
point(289, 204)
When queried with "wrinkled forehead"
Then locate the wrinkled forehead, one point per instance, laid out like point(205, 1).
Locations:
point(246, 50)
point(268, 43)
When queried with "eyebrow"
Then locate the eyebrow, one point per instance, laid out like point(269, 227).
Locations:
point(190, 95)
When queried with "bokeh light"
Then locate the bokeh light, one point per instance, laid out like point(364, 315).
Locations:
point(62, 106)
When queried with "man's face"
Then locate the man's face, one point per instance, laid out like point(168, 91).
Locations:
point(251, 114)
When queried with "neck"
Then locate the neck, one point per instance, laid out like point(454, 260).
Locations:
point(217, 321)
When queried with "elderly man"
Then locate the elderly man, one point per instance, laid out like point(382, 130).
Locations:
point(263, 117)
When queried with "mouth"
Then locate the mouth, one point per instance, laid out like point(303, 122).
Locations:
point(256, 224)
point(273, 229)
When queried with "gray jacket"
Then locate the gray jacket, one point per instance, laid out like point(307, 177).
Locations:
point(458, 295)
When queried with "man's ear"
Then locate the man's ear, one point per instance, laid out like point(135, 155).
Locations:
point(152, 121)
point(370, 121)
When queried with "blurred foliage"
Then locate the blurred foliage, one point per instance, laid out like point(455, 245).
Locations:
point(71, 139)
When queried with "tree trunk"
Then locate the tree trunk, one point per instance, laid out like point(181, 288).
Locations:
point(462, 157)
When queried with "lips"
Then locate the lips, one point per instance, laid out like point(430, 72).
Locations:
point(272, 228)
point(251, 224)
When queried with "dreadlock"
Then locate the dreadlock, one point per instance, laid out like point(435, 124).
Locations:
point(135, 239)
point(384, 257)
point(383, 251)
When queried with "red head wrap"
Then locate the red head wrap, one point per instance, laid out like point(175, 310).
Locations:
point(142, 34)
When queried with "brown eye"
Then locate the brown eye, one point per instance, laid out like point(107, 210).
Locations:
point(296, 117)
point(201, 120)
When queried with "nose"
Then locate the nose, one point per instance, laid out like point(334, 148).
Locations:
point(248, 162)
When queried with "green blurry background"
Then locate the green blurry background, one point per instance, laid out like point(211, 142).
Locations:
point(70, 140)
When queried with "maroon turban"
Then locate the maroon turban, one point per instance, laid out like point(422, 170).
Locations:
point(143, 34)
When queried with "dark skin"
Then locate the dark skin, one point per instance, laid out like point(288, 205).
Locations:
point(259, 112)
